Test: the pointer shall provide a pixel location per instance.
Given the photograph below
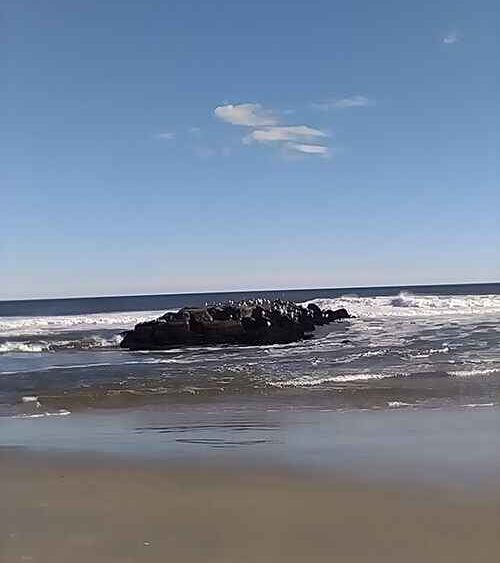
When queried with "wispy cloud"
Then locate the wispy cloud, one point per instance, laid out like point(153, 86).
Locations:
point(168, 136)
point(308, 149)
point(451, 37)
point(249, 115)
point(283, 133)
point(344, 103)
point(268, 130)
point(196, 131)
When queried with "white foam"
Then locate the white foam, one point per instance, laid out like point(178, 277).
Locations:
point(94, 341)
point(27, 347)
point(408, 305)
point(61, 412)
point(32, 400)
point(472, 372)
point(99, 341)
point(398, 404)
point(430, 352)
point(29, 399)
point(476, 405)
point(312, 380)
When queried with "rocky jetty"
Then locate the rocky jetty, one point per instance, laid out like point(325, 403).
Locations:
point(248, 322)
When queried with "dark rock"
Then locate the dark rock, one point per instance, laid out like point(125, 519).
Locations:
point(317, 314)
point(336, 315)
point(249, 322)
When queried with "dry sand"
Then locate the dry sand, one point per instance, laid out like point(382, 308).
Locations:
point(84, 510)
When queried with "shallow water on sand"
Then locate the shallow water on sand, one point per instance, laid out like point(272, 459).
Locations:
point(455, 445)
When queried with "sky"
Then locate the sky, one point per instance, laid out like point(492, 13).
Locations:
point(180, 146)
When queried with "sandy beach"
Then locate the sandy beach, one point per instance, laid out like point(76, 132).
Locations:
point(84, 509)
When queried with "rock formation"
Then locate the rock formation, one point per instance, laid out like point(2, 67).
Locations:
point(248, 322)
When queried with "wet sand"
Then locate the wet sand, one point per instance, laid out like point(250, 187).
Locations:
point(83, 508)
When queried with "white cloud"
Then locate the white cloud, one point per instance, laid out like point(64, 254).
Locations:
point(451, 37)
point(265, 128)
point(196, 131)
point(168, 136)
point(344, 103)
point(308, 149)
point(283, 133)
point(249, 115)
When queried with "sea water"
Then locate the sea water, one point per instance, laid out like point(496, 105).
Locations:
point(412, 352)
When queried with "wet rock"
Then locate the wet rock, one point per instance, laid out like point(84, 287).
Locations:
point(249, 322)
point(317, 314)
point(336, 315)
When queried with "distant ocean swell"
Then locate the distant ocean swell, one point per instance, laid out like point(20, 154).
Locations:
point(403, 305)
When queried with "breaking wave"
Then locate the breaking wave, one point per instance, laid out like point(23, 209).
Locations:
point(26, 347)
point(409, 305)
point(15, 326)
point(86, 343)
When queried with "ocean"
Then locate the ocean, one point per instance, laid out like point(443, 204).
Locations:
point(65, 382)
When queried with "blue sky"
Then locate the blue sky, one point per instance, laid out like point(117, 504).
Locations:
point(168, 146)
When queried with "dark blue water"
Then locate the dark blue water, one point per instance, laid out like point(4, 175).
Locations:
point(88, 305)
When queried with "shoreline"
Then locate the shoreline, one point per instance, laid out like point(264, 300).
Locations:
point(85, 508)
point(443, 447)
